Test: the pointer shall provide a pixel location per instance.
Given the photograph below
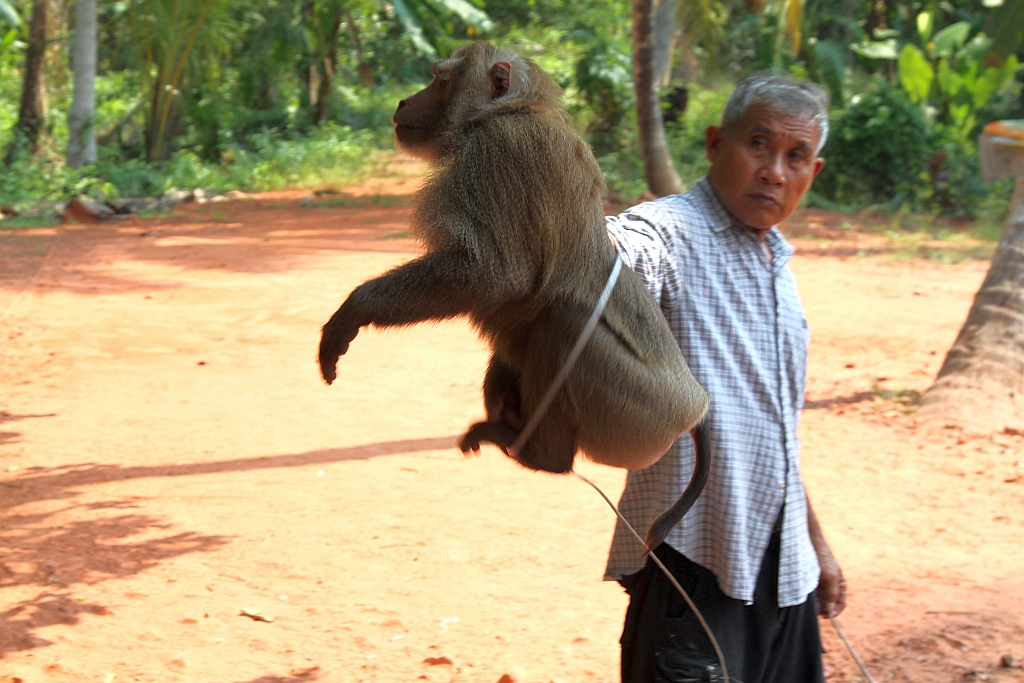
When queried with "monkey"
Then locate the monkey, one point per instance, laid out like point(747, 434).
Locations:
point(512, 221)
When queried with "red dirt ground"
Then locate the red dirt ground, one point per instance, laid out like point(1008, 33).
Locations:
point(169, 458)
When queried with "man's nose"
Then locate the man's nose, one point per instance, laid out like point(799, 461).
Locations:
point(774, 170)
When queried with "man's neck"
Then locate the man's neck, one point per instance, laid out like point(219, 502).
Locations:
point(760, 233)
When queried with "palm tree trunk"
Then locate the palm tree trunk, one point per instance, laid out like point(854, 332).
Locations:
point(658, 168)
point(329, 64)
point(365, 72)
point(82, 119)
point(31, 114)
point(981, 383)
point(664, 34)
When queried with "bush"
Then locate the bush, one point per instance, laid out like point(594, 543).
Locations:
point(329, 156)
point(877, 151)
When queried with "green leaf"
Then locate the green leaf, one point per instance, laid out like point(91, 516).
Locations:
point(992, 80)
point(976, 49)
point(8, 11)
point(413, 27)
point(925, 25)
point(469, 14)
point(880, 49)
point(916, 73)
point(830, 61)
point(949, 39)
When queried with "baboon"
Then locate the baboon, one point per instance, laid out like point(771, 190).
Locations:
point(513, 225)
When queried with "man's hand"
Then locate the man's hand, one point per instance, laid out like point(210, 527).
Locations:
point(831, 586)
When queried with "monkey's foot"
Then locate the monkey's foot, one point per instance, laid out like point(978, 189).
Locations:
point(498, 433)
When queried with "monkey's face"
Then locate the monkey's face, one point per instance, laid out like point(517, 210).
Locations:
point(421, 120)
point(464, 85)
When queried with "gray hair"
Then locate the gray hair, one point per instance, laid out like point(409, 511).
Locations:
point(784, 96)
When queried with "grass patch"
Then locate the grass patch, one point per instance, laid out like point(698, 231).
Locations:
point(23, 222)
point(350, 202)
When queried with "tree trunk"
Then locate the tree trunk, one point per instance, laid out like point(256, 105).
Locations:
point(658, 169)
point(329, 66)
point(365, 72)
point(82, 119)
point(31, 114)
point(664, 34)
point(981, 383)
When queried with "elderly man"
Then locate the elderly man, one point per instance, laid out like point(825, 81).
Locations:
point(750, 552)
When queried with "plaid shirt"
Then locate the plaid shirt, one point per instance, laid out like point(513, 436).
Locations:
point(735, 311)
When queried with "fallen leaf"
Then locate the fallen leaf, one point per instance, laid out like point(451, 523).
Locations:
point(311, 672)
point(255, 615)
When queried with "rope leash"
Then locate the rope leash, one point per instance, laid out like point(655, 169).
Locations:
point(545, 403)
point(853, 653)
point(668, 574)
point(577, 349)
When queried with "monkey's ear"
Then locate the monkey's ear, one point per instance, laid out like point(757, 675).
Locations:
point(501, 79)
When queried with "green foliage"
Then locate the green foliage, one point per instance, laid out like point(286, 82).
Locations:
point(329, 156)
point(605, 83)
point(876, 152)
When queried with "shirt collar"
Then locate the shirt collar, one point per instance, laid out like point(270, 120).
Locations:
point(782, 250)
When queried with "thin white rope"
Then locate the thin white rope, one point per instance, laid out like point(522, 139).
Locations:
point(853, 653)
point(666, 572)
point(577, 349)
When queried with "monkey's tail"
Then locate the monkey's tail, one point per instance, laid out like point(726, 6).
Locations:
point(661, 565)
point(701, 435)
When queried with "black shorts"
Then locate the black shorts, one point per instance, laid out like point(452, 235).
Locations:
point(662, 641)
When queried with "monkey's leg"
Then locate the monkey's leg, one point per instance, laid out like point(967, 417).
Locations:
point(502, 394)
point(552, 446)
point(436, 286)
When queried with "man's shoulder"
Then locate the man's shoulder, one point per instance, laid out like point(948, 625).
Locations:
point(687, 216)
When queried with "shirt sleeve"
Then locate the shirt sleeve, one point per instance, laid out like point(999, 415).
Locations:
point(643, 249)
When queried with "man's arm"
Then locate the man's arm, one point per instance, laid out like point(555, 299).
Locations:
point(643, 249)
point(831, 585)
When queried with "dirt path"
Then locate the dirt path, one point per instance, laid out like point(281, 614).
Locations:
point(170, 458)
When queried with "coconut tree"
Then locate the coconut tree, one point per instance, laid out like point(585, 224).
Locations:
point(659, 170)
point(32, 110)
point(81, 120)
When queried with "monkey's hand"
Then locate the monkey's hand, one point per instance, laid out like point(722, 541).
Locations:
point(500, 434)
point(337, 334)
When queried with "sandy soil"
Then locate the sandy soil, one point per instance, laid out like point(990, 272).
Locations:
point(170, 459)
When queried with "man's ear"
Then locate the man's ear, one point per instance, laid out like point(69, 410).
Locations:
point(501, 79)
point(819, 164)
point(712, 140)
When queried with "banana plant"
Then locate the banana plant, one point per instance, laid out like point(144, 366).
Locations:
point(8, 12)
point(418, 16)
point(957, 71)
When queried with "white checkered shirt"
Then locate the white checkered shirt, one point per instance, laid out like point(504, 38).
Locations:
point(737, 316)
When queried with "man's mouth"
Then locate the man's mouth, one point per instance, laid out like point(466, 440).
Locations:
point(765, 199)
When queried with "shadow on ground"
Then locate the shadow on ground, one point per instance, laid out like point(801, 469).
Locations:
point(37, 550)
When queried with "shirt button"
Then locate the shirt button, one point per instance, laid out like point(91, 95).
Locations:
point(782, 486)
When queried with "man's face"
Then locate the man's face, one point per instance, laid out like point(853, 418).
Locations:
point(763, 164)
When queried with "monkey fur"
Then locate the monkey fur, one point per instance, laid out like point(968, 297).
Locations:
point(512, 220)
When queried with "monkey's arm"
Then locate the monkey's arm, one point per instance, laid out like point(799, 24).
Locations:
point(435, 286)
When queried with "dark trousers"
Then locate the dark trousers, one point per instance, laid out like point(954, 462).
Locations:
point(662, 641)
